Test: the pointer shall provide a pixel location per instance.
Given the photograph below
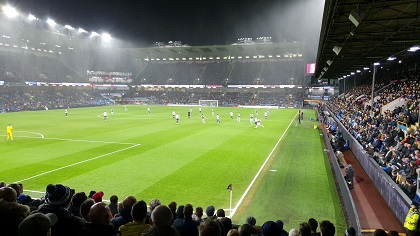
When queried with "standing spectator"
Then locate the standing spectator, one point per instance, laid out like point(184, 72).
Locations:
point(138, 226)
point(349, 175)
point(412, 219)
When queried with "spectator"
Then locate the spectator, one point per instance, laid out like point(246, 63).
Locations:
point(304, 229)
point(199, 214)
point(210, 212)
point(138, 226)
point(57, 200)
point(313, 224)
point(327, 228)
point(186, 226)
point(85, 208)
point(349, 176)
point(97, 197)
point(152, 205)
point(270, 228)
point(280, 225)
point(246, 230)
point(233, 232)
point(37, 224)
point(380, 232)
point(100, 221)
point(161, 223)
point(173, 206)
point(251, 220)
point(209, 228)
point(76, 202)
point(350, 231)
point(11, 212)
point(113, 205)
point(220, 213)
point(293, 232)
point(125, 213)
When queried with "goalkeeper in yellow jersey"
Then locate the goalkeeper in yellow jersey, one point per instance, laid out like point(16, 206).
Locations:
point(9, 132)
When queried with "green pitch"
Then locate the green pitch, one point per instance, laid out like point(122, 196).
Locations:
point(149, 156)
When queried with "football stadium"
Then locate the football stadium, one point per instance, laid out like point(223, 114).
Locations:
point(295, 118)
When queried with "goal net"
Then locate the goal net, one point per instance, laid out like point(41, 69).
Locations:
point(208, 103)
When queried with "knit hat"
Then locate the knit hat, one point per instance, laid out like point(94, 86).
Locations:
point(37, 224)
point(210, 211)
point(269, 228)
point(251, 220)
point(58, 194)
point(98, 196)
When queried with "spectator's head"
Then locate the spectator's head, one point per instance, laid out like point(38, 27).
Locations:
point(293, 232)
point(97, 197)
point(100, 214)
point(129, 201)
point(85, 208)
point(280, 224)
point(180, 212)
point(17, 187)
point(220, 213)
point(350, 231)
point(78, 199)
point(153, 204)
point(327, 228)
point(2, 184)
point(210, 211)
point(37, 224)
point(313, 224)
point(209, 228)
point(139, 212)
point(188, 211)
point(380, 232)
point(161, 216)
point(415, 204)
point(304, 229)
point(58, 195)
point(251, 220)
point(8, 194)
point(113, 199)
point(199, 212)
point(246, 230)
point(233, 232)
point(270, 228)
point(227, 223)
point(91, 193)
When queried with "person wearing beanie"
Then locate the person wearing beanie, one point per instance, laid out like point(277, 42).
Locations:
point(97, 197)
point(210, 212)
point(412, 219)
point(57, 199)
point(251, 220)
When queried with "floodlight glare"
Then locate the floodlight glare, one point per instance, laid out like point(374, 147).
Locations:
point(69, 27)
point(391, 58)
point(10, 11)
point(51, 22)
point(82, 30)
point(93, 34)
point(376, 64)
point(358, 71)
point(365, 68)
point(31, 17)
point(413, 49)
point(105, 36)
point(352, 73)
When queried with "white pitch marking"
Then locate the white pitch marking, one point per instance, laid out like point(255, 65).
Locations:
point(42, 136)
point(259, 171)
point(77, 140)
point(77, 163)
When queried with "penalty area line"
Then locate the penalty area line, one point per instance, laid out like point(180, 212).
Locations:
point(75, 164)
point(233, 211)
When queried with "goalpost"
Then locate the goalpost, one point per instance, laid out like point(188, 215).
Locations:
point(208, 103)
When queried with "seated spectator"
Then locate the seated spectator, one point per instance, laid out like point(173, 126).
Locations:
point(246, 230)
point(138, 226)
point(293, 232)
point(280, 226)
point(152, 205)
point(161, 219)
point(85, 208)
point(37, 224)
point(313, 224)
point(270, 228)
point(226, 223)
point(209, 228)
point(76, 202)
point(100, 222)
point(198, 214)
point(113, 205)
point(125, 213)
point(57, 200)
point(97, 197)
point(209, 212)
point(186, 226)
point(220, 213)
point(304, 229)
point(233, 232)
point(11, 212)
point(173, 207)
point(327, 228)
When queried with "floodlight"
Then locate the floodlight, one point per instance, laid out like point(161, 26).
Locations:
point(365, 68)
point(82, 30)
point(69, 27)
point(352, 73)
point(376, 64)
point(358, 71)
point(93, 34)
point(105, 36)
point(51, 22)
point(31, 17)
point(391, 58)
point(10, 11)
point(413, 49)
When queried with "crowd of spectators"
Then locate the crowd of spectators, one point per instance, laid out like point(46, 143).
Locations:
point(391, 136)
point(280, 98)
point(29, 100)
point(63, 211)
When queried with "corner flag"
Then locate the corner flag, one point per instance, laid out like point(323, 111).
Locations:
point(230, 187)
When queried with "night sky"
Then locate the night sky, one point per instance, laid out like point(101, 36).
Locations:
point(194, 22)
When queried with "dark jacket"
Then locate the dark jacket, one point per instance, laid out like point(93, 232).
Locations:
point(98, 230)
point(161, 231)
point(67, 223)
point(11, 214)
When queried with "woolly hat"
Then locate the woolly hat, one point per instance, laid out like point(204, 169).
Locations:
point(37, 224)
point(251, 220)
point(269, 228)
point(58, 194)
point(210, 211)
point(98, 196)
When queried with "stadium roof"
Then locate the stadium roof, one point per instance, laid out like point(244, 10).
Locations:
point(358, 33)
point(275, 50)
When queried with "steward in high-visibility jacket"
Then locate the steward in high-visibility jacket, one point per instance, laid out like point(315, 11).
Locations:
point(412, 218)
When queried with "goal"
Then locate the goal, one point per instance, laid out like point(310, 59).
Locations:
point(208, 103)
